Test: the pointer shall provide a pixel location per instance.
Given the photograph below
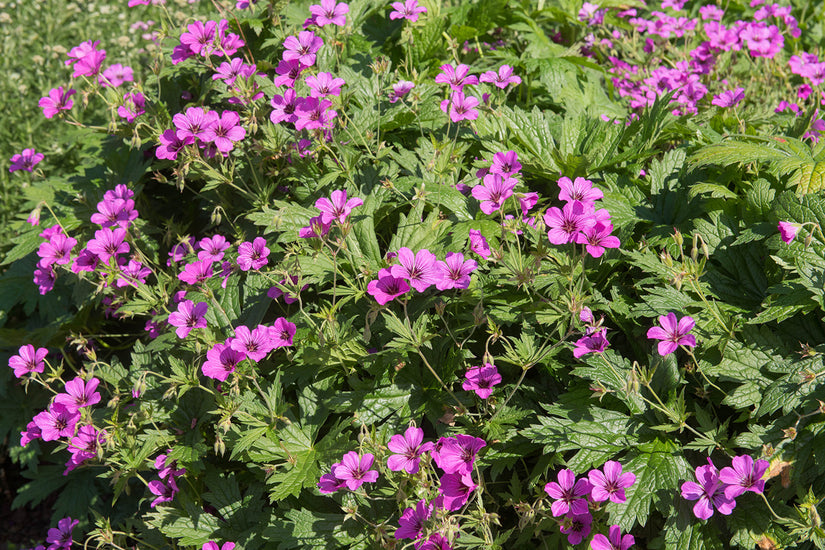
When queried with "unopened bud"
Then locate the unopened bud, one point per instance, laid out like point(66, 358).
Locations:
point(478, 315)
point(677, 237)
point(808, 239)
point(666, 259)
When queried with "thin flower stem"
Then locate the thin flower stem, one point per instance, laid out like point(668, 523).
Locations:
point(427, 363)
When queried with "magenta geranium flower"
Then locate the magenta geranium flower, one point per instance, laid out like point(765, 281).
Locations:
point(408, 450)
point(506, 164)
point(673, 334)
point(565, 224)
point(409, 10)
point(196, 272)
point(61, 537)
point(411, 522)
point(108, 242)
point(455, 490)
point(419, 269)
point(337, 207)
point(494, 192)
point(569, 494)
point(460, 107)
point(481, 380)
point(134, 105)
point(615, 542)
point(188, 316)
point(478, 244)
point(324, 84)
point(400, 89)
point(576, 527)
point(355, 470)
point(86, 59)
point(314, 113)
point(744, 475)
point(387, 287)
point(84, 446)
point(200, 37)
point(253, 255)
point(116, 74)
point(611, 483)
point(303, 48)
point(114, 211)
point(57, 100)
point(79, 394)
point(56, 250)
point(26, 160)
point(288, 72)
point(594, 343)
point(454, 271)
point(503, 78)
point(221, 361)
point(597, 238)
point(729, 98)
point(171, 145)
point(212, 248)
point(329, 484)
point(316, 229)
point(225, 131)
point(212, 545)
point(456, 77)
point(57, 421)
point(329, 12)
point(709, 492)
point(789, 230)
point(254, 343)
point(281, 333)
point(437, 541)
point(195, 124)
point(457, 454)
point(28, 360)
point(165, 491)
point(580, 190)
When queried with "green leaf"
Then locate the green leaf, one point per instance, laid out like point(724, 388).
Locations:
point(659, 467)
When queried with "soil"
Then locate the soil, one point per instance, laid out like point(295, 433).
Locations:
point(24, 527)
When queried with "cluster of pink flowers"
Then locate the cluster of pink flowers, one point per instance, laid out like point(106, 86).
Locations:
point(314, 112)
point(62, 418)
point(420, 270)
point(115, 213)
point(209, 130)
point(26, 160)
point(337, 208)
point(166, 487)
point(86, 59)
point(254, 344)
point(595, 335)
point(499, 183)
point(579, 221)
point(205, 39)
point(759, 37)
point(572, 500)
point(673, 333)
point(454, 455)
point(230, 71)
point(459, 106)
point(719, 490)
